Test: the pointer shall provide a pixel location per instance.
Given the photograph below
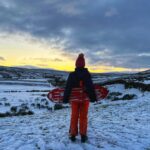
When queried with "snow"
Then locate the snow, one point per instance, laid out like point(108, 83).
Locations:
point(25, 83)
point(112, 125)
point(120, 88)
point(22, 88)
point(147, 81)
point(15, 95)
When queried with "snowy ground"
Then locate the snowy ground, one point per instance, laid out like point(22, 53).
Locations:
point(113, 125)
point(23, 94)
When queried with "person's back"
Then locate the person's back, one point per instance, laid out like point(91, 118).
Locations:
point(79, 109)
point(80, 74)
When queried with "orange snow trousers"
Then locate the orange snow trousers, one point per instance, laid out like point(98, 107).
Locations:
point(79, 113)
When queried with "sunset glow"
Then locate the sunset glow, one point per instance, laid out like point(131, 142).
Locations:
point(52, 34)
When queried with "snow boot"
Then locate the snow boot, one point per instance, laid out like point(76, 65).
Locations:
point(84, 138)
point(72, 138)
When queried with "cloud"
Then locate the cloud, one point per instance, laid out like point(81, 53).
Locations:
point(58, 60)
point(47, 59)
point(41, 59)
point(2, 58)
point(70, 8)
point(42, 65)
point(85, 26)
point(111, 12)
point(144, 54)
point(7, 4)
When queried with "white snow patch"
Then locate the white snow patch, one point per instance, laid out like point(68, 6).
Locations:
point(113, 125)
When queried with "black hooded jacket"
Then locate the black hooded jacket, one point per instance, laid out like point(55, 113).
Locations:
point(74, 81)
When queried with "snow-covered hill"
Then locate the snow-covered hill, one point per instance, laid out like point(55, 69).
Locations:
point(119, 125)
point(29, 121)
point(26, 73)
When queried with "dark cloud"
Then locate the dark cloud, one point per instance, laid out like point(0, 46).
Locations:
point(119, 26)
point(2, 58)
point(128, 61)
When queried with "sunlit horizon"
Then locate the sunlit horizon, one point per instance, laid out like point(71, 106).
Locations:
point(51, 35)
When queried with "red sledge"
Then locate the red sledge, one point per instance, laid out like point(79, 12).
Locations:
point(77, 94)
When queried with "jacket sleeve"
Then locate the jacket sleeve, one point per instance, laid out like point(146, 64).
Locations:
point(68, 89)
point(90, 88)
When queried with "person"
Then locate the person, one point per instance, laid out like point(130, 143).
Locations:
point(80, 78)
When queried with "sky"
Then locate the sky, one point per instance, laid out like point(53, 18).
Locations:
point(114, 35)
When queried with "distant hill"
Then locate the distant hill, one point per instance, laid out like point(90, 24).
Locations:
point(15, 73)
point(145, 72)
point(27, 73)
point(27, 67)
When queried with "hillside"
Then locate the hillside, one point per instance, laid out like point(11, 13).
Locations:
point(28, 120)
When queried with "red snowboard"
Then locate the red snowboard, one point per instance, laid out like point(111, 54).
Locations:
point(77, 94)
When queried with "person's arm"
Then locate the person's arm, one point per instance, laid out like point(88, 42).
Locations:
point(90, 88)
point(68, 89)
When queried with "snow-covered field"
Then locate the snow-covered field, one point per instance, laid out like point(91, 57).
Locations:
point(20, 93)
point(113, 125)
